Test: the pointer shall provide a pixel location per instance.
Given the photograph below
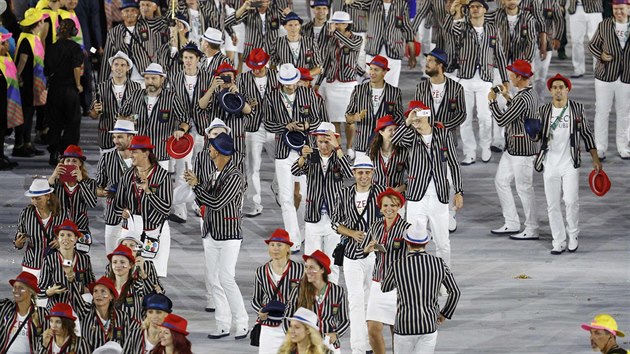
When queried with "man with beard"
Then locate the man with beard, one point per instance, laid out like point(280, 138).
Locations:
point(109, 97)
point(160, 111)
point(604, 333)
point(110, 168)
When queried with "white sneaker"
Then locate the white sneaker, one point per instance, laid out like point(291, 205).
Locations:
point(253, 211)
point(468, 160)
point(452, 223)
point(559, 249)
point(486, 155)
point(241, 333)
point(526, 235)
point(573, 244)
point(505, 230)
point(219, 334)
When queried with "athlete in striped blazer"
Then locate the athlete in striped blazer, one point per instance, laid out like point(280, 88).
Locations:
point(610, 48)
point(442, 95)
point(520, 39)
point(584, 17)
point(549, 15)
point(418, 277)
point(301, 51)
point(517, 160)
point(316, 28)
point(208, 14)
point(390, 161)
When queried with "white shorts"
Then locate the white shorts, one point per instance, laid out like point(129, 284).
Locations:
point(381, 306)
point(337, 99)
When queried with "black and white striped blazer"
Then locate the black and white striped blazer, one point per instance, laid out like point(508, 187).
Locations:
point(309, 56)
point(152, 278)
point(306, 108)
point(393, 241)
point(109, 171)
point(418, 278)
point(361, 98)
point(265, 289)
point(358, 12)
point(39, 235)
point(332, 313)
point(340, 58)
point(346, 214)
point(524, 42)
point(473, 55)
point(52, 272)
point(247, 86)
point(590, 6)
point(222, 198)
point(309, 31)
point(120, 327)
point(393, 31)
point(392, 172)
point(524, 105)
point(35, 327)
point(554, 20)
point(208, 66)
point(166, 117)
point(153, 207)
point(605, 40)
point(578, 127)
point(534, 8)
point(75, 203)
point(194, 112)
point(452, 110)
point(322, 188)
point(235, 121)
point(129, 300)
point(143, 49)
point(425, 166)
point(209, 15)
point(76, 345)
point(108, 117)
point(254, 36)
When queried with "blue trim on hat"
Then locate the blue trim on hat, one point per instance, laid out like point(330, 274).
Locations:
point(170, 326)
point(291, 79)
point(380, 65)
point(416, 240)
point(300, 318)
point(41, 192)
point(153, 72)
point(364, 165)
point(57, 314)
point(140, 146)
point(515, 70)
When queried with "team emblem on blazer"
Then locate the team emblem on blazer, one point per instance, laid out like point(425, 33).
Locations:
point(400, 166)
point(346, 50)
point(144, 35)
point(153, 187)
point(390, 107)
point(295, 283)
point(493, 41)
point(309, 56)
point(335, 309)
point(399, 21)
point(305, 110)
point(397, 243)
point(443, 154)
point(548, 14)
point(118, 333)
point(274, 23)
point(164, 115)
point(452, 105)
point(129, 301)
point(524, 31)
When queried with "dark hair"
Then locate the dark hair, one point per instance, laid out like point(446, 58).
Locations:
point(68, 325)
point(181, 344)
point(67, 29)
point(126, 287)
point(214, 46)
point(375, 146)
point(30, 28)
point(307, 291)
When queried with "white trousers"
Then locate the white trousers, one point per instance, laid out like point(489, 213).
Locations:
point(477, 90)
point(161, 259)
point(358, 276)
point(540, 74)
point(392, 76)
point(254, 144)
point(179, 166)
point(286, 182)
point(605, 92)
point(270, 339)
point(581, 24)
point(361, 62)
point(415, 344)
point(112, 235)
point(435, 215)
point(519, 169)
point(498, 136)
point(563, 184)
point(220, 259)
point(321, 236)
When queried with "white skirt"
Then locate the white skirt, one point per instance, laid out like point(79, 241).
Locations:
point(337, 99)
point(381, 306)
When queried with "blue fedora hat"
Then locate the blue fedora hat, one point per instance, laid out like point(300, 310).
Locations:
point(129, 3)
point(440, 55)
point(532, 126)
point(224, 144)
point(292, 16)
point(320, 3)
point(155, 301)
point(231, 102)
point(295, 140)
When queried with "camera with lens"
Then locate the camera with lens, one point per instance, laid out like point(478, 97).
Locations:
point(497, 90)
point(226, 78)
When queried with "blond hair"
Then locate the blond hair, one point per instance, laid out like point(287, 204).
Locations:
point(314, 339)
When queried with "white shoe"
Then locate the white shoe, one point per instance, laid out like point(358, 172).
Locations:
point(254, 211)
point(241, 333)
point(505, 230)
point(559, 249)
point(526, 235)
point(452, 223)
point(573, 244)
point(468, 160)
point(486, 155)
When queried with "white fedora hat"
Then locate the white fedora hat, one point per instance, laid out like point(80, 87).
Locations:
point(120, 55)
point(306, 316)
point(324, 128)
point(288, 74)
point(340, 17)
point(363, 161)
point(38, 188)
point(123, 126)
point(154, 69)
point(417, 233)
point(217, 123)
point(213, 35)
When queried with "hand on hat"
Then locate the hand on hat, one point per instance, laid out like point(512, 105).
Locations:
point(306, 150)
point(286, 11)
point(262, 315)
point(178, 134)
point(597, 164)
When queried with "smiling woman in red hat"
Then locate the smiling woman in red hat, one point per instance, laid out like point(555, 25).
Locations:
point(326, 299)
point(65, 273)
point(173, 336)
point(76, 191)
point(389, 161)
point(272, 285)
point(60, 337)
point(22, 310)
point(130, 285)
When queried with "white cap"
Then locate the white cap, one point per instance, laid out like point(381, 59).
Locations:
point(154, 69)
point(305, 316)
point(38, 188)
point(217, 123)
point(324, 128)
point(109, 348)
point(120, 55)
point(363, 161)
point(340, 17)
point(124, 126)
point(288, 74)
point(213, 35)
point(417, 233)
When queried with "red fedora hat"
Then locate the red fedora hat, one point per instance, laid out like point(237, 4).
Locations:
point(257, 58)
point(27, 279)
point(321, 258)
point(178, 149)
point(384, 121)
point(416, 105)
point(62, 310)
point(521, 67)
point(599, 182)
point(381, 62)
point(305, 74)
point(390, 192)
point(73, 151)
point(225, 67)
point(141, 142)
point(68, 225)
point(417, 49)
point(124, 251)
point(106, 282)
point(279, 235)
point(175, 323)
point(566, 81)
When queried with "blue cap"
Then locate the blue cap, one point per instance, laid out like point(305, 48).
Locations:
point(129, 3)
point(155, 301)
point(320, 3)
point(440, 55)
point(292, 16)
point(275, 310)
point(482, 2)
point(224, 144)
point(191, 47)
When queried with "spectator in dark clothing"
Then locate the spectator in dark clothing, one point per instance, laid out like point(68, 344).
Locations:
point(10, 104)
point(63, 68)
point(89, 17)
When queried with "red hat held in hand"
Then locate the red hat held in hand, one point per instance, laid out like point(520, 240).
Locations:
point(599, 182)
